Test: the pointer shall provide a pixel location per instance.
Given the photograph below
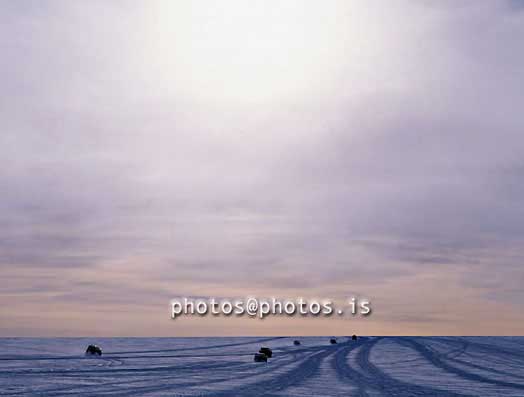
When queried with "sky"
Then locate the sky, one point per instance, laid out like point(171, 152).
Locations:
point(155, 149)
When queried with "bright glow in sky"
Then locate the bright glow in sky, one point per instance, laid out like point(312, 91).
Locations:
point(251, 51)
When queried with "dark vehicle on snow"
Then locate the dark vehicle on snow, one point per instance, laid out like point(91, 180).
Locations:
point(260, 358)
point(93, 350)
point(333, 341)
point(267, 351)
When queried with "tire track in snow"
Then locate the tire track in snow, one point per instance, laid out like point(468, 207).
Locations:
point(496, 351)
point(436, 360)
point(375, 379)
point(200, 347)
point(145, 375)
point(307, 369)
point(453, 355)
point(181, 349)
point(81, 389)
point(177, 385)
point(346, 373)
point(119, 371)
point(486, 369)
point(270, 367)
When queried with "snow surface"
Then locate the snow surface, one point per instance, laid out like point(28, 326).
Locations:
point(177, 367)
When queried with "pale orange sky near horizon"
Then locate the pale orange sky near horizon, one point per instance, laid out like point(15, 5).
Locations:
point(158, 149)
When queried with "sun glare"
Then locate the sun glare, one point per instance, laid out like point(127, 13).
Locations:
point(249, 50)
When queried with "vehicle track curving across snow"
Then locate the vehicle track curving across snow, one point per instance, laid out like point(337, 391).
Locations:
point(439, 361)
point(371, 378)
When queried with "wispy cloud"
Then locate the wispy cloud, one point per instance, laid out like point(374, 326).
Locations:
point(392, 168)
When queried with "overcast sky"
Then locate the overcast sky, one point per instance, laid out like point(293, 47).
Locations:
point(154, 149)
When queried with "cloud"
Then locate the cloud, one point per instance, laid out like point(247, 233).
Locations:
point(125, 180)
